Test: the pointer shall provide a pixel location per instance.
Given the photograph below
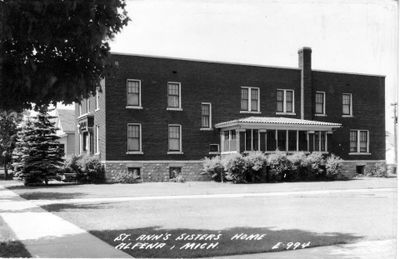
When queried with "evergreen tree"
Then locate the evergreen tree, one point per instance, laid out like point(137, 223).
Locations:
point(38, 154)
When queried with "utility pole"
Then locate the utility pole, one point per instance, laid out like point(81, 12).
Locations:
point(395, 130)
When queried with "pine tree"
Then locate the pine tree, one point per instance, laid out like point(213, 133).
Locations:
point(38, 155)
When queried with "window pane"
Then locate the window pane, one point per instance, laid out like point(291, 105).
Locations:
point(133, 138)
point(316, 141)
point(271, 143)
point(173, 95)
point(226, 140)
point(363, 141)
point(353, 141)
point(255, 140)
point(303, 141)
point(346, 101)
point(319, 103)
point(292, 140)
point(205, 115)
point(282, 140)
point(232, 144)
point(248, 140)
point(323, 140)
point(244, 104)
point(174, 138)
point(133, 93)
point(279, 101)
point(289, 101)
point(254, 99)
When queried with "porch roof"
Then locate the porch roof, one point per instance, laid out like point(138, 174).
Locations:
point(277, 122)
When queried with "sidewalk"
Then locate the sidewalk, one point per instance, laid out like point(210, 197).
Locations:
point(47, 235)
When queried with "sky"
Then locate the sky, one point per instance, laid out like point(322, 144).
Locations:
point(348, 35)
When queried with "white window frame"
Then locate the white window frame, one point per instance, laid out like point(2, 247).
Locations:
point(87, 105)
point(215, 152)
point(358, 142)
point(97, 99)
point(293, 112)
point(97, 140)
point(210, 117)
point(179, 108)
point(323, 106)
point(249, 88)
point(80, 109)
point(351, 105)
point(129, 106)
point(140, 151)
point(176, 152)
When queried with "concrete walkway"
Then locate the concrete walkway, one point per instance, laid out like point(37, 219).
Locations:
point(47, 235)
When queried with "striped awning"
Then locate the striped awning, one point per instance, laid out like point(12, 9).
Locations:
point(277, 123)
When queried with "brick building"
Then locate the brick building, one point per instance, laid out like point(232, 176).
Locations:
point(158, 116)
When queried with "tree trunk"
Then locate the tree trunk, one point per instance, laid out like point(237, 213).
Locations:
point(5, 171)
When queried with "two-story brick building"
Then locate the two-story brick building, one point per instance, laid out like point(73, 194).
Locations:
point(157, 116)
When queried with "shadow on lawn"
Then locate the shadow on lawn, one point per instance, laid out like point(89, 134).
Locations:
point(64, 206)
point(50, 195)
point(49, 186)
point(172, 242)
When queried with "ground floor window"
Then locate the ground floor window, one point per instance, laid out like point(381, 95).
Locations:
point(318, 141)
point(359, 141)
point(174, 172)
point(135, 172)
point(229, 140)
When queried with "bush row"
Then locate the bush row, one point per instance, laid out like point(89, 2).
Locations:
point(275, 167)
point(83, 169)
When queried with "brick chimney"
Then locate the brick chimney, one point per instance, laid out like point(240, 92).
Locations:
point(306, 100)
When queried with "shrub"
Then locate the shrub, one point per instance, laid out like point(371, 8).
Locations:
point(255, 164)
point(298, 170)
point(378, 170)
point(334, 166)
point(84, 168)
point(214, 167)
point(315, 165)
point(279, 165)
point(235, 166)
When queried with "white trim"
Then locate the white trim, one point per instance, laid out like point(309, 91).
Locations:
point(179, 108)
point(323, 103)
point(347, 116)
point(249, 88)
point(351, 105)
point(210, 116)
point(359, 154)
point(284, 112)
point(134, 107)
point(97, 139)
point(170, 152)
point(96, 100)
point(140, 93)
point(134, 153)
point(206, 129)
point(320, 115)
point(140, 151)
point(228, 152)
point(84, 115)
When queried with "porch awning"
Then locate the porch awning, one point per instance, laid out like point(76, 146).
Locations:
point(277, 123)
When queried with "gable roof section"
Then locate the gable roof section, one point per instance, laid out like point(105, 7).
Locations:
point(277, 122)
point(67, 120)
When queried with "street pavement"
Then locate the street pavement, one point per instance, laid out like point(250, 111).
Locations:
point(365, 208)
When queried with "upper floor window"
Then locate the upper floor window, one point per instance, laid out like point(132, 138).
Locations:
point(359, 141)
point(133, 96)
point(174, 138)
point(87, 104)
point(250, 99)
point(206, 116)
point(97, 139)
point(80, 109)
point(174, 96)
point(347, 104)
point(320, 103)
point(285, 101)
point(134, 138)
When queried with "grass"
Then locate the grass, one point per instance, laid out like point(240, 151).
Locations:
point(219, 243)
point(8, 246)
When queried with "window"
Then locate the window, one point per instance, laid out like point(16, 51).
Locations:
point(285, 101)
point(250, 99)
point(229, 141)
point(97, 139)
point(174, 96)
point(97, 99)
point(134, 138)
point(133, 96)
point(134, 172)
point(318, 141)
point(214, 149)
point(359, 141)
point(206, 116)
point(174, 172)
point(347, 105)
point(174, 138)
point(80, 109)
point(320, 103)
